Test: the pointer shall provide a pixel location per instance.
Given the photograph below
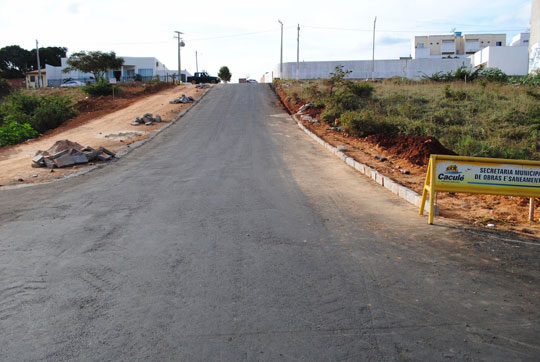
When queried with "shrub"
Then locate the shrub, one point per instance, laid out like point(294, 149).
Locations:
point(14, 132)
point(364, 123)
point(41, 113)
point(493, 75)
point(330, 114)
point(101, 88)
point(5, 87)
point(362, 90)
point(52, 112)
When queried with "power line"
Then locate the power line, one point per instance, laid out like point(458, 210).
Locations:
point(409, 31)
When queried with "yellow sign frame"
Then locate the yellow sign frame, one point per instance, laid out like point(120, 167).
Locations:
point(432, 187)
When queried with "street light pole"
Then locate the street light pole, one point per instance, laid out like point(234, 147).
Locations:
point(298, 53)
point(180, 44)
point(281, 53)
point(373, 55)
point(39, 82)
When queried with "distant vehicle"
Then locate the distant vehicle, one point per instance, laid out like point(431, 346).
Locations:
point(251, 81)
point(202, 77)
point(72, 83)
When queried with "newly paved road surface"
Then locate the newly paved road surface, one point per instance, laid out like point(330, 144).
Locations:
point(232, 236)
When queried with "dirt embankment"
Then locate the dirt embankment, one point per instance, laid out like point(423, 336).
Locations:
point(102, 122)
point(406, 163)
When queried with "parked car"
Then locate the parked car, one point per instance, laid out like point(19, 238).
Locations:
point(203, 77)
point(72, 83)
point(251, 81)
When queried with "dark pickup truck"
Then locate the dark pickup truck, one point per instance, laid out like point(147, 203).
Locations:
point(203, 77)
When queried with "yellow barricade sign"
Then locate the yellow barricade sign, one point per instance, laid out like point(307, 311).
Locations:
point(479, 175)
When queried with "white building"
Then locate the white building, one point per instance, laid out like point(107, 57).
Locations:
point(513, 60)
point(144, 68)
point(455, 45)
point(521, 40)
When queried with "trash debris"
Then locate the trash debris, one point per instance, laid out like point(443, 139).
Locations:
point(305, 107)
point(202, 85)
point(381, 158)
point(310, 119)
point(405, 172)
point(182, 99)
point(490, 225)
point(338, 129)
point(147, 119)
point(342, 148)
point(65, 153)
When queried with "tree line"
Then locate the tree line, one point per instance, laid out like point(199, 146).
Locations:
point(16, 61)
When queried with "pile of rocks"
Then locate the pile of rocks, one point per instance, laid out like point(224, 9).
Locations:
point(183, 99)
point(65, 153)
point(202, 85)
point(148, 119)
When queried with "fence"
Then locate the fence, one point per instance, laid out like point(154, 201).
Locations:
point(136, 78)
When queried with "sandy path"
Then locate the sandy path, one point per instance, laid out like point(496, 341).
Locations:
point(112, 131)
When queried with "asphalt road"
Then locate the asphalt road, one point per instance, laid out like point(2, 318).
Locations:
point(232, 236)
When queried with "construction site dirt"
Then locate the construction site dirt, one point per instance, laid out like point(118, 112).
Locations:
point(102, 122)
point(404, 160)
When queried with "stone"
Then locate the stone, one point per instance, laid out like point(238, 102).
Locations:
point(64, 161)
point(59, 154)
point(38, 158)
point(158, 118)
point(405, 172)
point(135, 123)
point(106, 151)
point(104, 157)
point(79, 157)
point(342, 148)
point(49, 163)
point(305, 107)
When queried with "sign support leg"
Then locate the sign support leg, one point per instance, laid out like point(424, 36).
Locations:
point(531, 209)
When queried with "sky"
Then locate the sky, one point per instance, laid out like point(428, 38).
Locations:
point(244, 34)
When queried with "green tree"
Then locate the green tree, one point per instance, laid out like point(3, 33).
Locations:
point(225, 74)
point(95, 62)
point(48, 55)
point(13, 62)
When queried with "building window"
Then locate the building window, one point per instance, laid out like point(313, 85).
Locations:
point(420, 45)
point(146, 72)
point(32, 78)
point(499, 43)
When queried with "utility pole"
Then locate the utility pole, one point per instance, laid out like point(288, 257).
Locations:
point(196, 62)
point(281, 53)
point(38, 65)
point(180, 44)
point(298, 53)
point(373, 55)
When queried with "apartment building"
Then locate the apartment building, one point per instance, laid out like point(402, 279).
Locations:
point(454, 45)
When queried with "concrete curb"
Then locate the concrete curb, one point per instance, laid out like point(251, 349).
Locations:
point(121, 153)
point(401, 191)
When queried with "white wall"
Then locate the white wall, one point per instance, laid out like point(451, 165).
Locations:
point(511, 60)
point(361, 69)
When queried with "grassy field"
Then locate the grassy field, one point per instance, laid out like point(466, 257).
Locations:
point(474, 119)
